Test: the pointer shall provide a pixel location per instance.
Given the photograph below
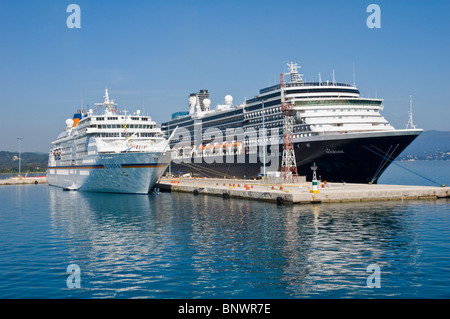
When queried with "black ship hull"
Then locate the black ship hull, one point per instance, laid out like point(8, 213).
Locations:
point(348, 158)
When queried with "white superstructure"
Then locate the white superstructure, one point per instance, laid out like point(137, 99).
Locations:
point(324, 107)
point(108, 151)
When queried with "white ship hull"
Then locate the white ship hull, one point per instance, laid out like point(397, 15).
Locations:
point(133, 172)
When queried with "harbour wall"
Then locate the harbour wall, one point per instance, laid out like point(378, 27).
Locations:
point(25, 180)
point(301, 193)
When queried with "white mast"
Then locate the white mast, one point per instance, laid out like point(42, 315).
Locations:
point(293, 71)
point(410, 120)
point(107, 102)
point(354, 78)
point(20, 159)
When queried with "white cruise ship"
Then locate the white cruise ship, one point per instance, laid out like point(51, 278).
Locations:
point(108, 151)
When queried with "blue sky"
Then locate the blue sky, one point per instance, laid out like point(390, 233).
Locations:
point(152, 54)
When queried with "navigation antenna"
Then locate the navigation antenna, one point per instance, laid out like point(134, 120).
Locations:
point(81, 99)
point(107, 102)
point(410, 120)
point(288, 163)
point(354, 80)
point(293, 72)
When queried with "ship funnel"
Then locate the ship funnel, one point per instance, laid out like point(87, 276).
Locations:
point(196, 101)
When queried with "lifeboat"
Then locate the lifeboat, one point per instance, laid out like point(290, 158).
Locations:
point(187, 151)
point(209, 149)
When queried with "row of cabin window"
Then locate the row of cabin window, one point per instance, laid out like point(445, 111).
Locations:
point(116, 118)
point(109, 126)
point(123, 134)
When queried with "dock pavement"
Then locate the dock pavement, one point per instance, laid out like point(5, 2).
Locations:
point(300, 193)
point(24, 180)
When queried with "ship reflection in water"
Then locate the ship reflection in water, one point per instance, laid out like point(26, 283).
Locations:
point(183, 246)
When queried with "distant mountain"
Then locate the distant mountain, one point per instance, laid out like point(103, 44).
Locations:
point(428, 145)
point(30, 162)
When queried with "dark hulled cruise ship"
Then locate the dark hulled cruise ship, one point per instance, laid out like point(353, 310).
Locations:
point(334, 128)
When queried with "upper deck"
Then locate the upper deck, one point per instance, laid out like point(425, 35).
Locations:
point(304, 84)
point(109, 124)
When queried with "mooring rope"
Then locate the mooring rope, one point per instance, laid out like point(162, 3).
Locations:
point(406, 168)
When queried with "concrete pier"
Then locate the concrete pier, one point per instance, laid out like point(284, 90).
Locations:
point(24, 180)
point(300, 193)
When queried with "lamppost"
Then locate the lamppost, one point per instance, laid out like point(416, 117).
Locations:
point(170, 161)
point(264, 140)
point(20, 160)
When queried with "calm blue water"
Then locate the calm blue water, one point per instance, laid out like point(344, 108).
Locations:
point(185, 246)
point(426, 173)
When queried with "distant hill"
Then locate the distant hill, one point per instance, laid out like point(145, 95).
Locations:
point(428, 145)
point(30, 162)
